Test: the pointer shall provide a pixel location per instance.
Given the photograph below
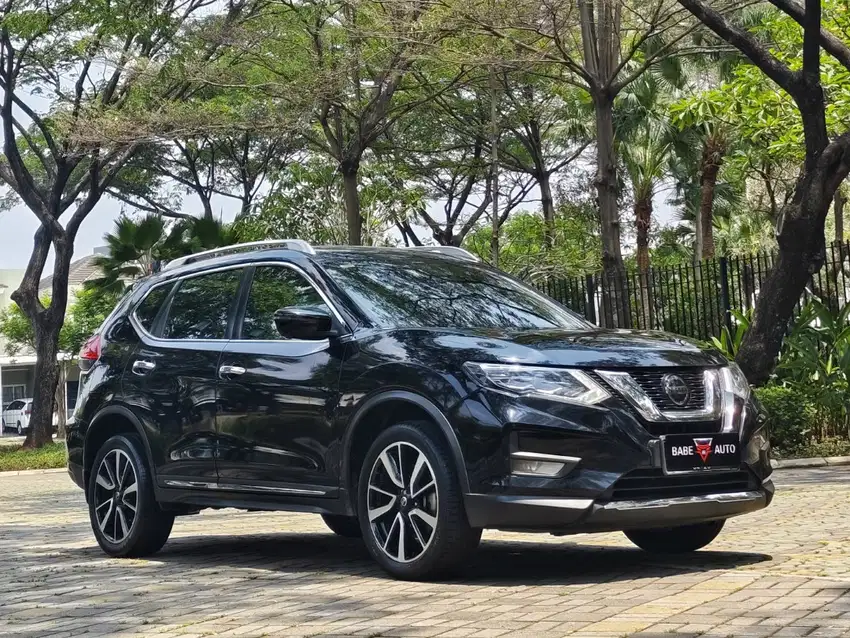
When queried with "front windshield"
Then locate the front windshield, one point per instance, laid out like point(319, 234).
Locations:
point(400, 289)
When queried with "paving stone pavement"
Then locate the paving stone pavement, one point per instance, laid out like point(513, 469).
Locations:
point(784, 571)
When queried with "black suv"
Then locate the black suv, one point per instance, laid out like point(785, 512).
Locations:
point(411, 397)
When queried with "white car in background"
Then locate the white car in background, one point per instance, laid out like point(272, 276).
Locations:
point(16, 416)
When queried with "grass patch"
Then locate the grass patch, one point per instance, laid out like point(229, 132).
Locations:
point(14, 457)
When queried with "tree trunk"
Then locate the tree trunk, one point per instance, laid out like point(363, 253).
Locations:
point(548, 203)
point(615, 303)
point(354, 221)
point(801, 254)
point(643, 220)
point(494, 168)
point(44, 388)
point(838, 206)
point(712, 158)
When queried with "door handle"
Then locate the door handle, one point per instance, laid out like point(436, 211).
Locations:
point(142, 367)
point(225, 372)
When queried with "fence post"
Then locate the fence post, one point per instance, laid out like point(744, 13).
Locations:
point(590, 287)
point(724, 293)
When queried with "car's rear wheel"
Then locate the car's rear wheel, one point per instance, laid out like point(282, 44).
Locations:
point(676, 540)
point(410, 504)
point(20, 429)
point(125, 517)
point(346, 526)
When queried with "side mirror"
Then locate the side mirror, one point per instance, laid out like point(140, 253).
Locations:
point(304, 323)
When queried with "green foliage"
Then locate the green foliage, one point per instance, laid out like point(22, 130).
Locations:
point(816, 362)
point(137, 247)
point(730, 342)
point(85, 313)
point(16, 458)
point(793, 419)
point(306, 201)
point(522, 245)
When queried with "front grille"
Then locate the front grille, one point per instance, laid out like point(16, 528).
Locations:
point(652, 483)
point(650, 380)
point(661, 428)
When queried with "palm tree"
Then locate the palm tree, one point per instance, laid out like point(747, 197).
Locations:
point(138, 247)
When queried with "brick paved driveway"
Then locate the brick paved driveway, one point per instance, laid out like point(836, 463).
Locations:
point(784, 571)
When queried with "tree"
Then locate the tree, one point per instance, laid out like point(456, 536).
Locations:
point(352, 62)
point(137, 248)
point(233, 166)
point(92, 63)
point(602, 46)
point(85, 314)
point(825, 165)
point(306, 200)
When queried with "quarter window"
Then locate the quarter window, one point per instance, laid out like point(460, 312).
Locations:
point(272, 288)
point(200, 308)
point(149, 308)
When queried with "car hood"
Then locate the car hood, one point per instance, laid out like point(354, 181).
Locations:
point(595, 348)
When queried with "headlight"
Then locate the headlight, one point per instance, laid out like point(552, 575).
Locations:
point(559, 384)
point(735, 382)
point(736, 393)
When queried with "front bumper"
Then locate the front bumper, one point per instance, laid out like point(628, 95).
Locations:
point(576, 515)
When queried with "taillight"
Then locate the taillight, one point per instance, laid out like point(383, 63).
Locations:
point(28, 410)
point(90, 353)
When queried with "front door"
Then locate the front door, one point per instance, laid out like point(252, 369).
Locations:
point(277, 396)
point(170, 382)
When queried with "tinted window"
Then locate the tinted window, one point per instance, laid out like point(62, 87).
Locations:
point(149, 308)
point(272, 288)
point(15, 405)
point(201, 306)
point(410, 290)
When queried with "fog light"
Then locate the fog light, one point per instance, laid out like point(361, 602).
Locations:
point(536, 464)
point(535, 468)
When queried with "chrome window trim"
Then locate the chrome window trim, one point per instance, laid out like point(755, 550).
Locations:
point(134, 320)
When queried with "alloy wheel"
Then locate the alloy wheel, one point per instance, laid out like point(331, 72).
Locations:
point(116, 496)
point(402, 502)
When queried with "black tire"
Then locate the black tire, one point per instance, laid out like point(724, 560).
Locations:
point(20, 430)
point(150, 526)
point(676, 540)
point(451, 538)
point(345, 526)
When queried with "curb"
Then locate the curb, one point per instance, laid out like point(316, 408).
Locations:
point(829, 461)
point(54, 470)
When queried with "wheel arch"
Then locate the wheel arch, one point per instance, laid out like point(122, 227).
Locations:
point(376, 405)
point(122, 421)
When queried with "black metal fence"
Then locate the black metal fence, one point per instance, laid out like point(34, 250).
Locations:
point(691, 299)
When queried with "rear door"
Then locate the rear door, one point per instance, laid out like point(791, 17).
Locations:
point(171, 378)
point(277, 396)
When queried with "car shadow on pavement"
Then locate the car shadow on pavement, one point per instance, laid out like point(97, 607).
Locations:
point(496, 562)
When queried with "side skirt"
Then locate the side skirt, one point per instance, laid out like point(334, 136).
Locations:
point(196, 496)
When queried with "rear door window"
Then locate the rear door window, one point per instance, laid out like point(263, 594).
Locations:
point(202, 305)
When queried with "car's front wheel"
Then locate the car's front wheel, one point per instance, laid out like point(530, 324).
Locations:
point(345, 526)
point(676, 540)
point(410, 504)
point(126, 519)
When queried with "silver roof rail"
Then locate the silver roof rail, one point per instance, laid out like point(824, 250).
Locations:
point(452, 251)
point(290, 244)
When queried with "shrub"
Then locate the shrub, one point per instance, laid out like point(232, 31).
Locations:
point(792, 417)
